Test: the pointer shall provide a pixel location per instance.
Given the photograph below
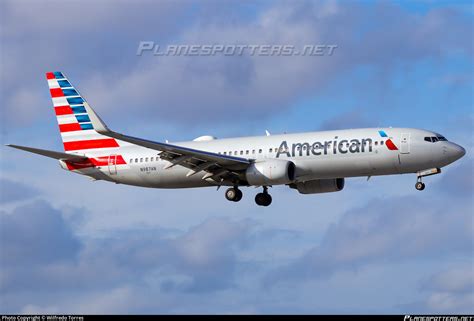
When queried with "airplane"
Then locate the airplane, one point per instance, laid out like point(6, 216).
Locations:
point(311, 163)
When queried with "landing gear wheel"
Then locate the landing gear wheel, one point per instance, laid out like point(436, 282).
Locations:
point(239, 195)
point(263, 199)
point(233, 194)
point(420, 186)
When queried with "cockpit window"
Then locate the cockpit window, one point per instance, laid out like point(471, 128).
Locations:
point(434, 139)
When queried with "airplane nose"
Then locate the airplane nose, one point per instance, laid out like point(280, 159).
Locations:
point(461, 152)
point(456, 152)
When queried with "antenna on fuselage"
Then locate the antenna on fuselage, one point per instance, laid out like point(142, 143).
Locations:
point(267, 132)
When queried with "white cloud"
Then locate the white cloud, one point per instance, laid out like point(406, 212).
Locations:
point(451, 290)
point(210, 88)
point(391, 230)
point(456, 279)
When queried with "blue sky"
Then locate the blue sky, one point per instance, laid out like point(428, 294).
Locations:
point(69, 245)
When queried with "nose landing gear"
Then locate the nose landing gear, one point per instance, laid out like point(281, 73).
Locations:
point(427, 172)
point(420, 185)
point(263, 199)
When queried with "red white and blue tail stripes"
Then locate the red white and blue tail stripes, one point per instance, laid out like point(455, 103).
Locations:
point(77, 131)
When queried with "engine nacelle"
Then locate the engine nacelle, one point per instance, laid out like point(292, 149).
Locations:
point(270, 172)
point(319, 186)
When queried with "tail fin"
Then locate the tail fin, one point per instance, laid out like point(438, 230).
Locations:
point(74, 118)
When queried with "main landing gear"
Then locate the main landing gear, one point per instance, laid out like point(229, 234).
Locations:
point(263, 199)
point(233, 194)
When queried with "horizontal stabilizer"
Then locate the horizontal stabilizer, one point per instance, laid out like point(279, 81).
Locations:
point(50, 153)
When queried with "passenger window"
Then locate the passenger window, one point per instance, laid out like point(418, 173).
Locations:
point(136, 160)
point(376, 143)
point(225, 153)
point(236, 153)
point(259, 151)
point(141, 160)
point(151, 160)
point(241, 152)
point(246, 152)
point(146, 160)
point(381, 142)
point(131, 160)
point(270, 150)
point(253, 151)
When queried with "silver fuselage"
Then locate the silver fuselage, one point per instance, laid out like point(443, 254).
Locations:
point(317, 155)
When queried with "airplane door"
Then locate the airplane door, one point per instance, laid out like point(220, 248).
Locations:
point(112, 162)
point(405, 143)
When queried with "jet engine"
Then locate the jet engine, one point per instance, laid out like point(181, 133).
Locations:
point(270, 172)
point(319, 186)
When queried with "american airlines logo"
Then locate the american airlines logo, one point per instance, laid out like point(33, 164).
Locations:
point(342, 147)
point(323, 148)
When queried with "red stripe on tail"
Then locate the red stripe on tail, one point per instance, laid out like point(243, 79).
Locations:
point(63, 110)
point(56, 92)
point(69, 127)
point(93, 162)
point(104, 160)
point(79, 165)
point(88, 144)
point(49, 75)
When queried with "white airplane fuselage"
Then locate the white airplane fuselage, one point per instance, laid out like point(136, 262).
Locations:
point(333, 159)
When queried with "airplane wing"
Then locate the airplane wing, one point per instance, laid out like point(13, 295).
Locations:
point(217, 166)
point(50, 153)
